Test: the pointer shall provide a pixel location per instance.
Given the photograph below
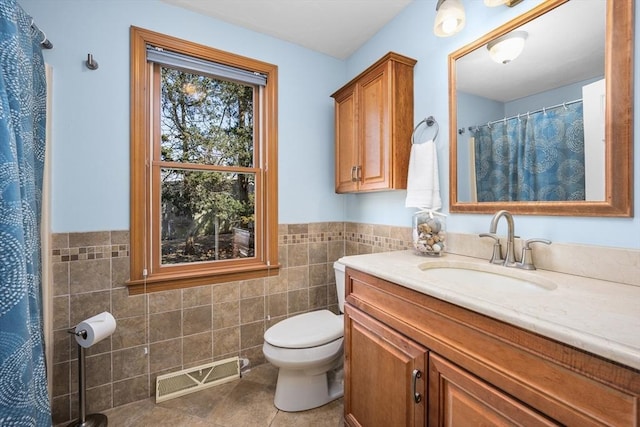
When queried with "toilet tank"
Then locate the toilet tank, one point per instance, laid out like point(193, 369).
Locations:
point(338, 268)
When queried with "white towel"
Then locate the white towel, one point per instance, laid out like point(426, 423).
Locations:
point(423, 184)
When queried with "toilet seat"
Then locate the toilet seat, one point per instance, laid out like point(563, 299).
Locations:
point(311, 360)
point(306, 330)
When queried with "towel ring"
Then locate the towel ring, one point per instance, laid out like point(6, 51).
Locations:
point(429, 122)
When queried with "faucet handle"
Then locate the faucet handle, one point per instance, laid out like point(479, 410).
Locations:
point(526, 262)
point(535, 240)
point(496, 256)
point(492, 235)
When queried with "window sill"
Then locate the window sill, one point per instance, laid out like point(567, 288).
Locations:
point(166, 282)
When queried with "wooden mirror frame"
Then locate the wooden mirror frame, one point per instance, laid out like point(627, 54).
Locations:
point(618, 121)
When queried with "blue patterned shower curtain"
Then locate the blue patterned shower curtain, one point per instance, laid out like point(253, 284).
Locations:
point(24, 399)
point(536, 157)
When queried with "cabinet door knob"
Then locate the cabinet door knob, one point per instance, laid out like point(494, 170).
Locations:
point(414, 376)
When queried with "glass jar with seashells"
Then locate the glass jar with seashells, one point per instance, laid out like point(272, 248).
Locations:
point(429, 232)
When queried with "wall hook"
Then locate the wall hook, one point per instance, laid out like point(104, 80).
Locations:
point(91, 63)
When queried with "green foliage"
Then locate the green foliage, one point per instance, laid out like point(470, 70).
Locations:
point(205, 121)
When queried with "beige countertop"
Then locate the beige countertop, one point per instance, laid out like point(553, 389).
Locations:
point(597, 316)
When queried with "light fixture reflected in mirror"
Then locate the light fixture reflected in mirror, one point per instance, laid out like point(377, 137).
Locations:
point(508, 47)
point(450, 18)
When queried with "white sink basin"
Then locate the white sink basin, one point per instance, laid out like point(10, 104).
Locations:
point(485, 276)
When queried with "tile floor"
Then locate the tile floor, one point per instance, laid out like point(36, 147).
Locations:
point(246, 402)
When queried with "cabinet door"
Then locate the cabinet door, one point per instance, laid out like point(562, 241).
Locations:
point(346, 143)
point(380, 383)
point(457, 398)
point(375, 134)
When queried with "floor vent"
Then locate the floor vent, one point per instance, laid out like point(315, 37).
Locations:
point(190, 380)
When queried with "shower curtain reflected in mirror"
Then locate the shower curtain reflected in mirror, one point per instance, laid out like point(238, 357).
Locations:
point(23, 385)
point(533, 157)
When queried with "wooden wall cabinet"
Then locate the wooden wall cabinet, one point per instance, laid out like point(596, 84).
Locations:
point(373, 123)
point(477, 370)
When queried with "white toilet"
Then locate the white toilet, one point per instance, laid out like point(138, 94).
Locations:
point(308, 350)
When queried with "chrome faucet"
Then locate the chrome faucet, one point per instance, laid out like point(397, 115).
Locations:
point(509, 260)
point(509, 256)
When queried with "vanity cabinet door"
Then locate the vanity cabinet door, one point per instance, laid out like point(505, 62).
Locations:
point(385, 375)
point(458, 398)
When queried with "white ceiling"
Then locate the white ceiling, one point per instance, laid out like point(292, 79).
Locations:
point(333, 27)
point(556, 52)
point(564, 46)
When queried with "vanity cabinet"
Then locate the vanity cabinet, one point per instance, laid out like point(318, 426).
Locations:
point(478, 370)
point(373, 125)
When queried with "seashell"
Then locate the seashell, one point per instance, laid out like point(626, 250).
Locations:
point(436, 247)
point(424, 228)
point(434, 224)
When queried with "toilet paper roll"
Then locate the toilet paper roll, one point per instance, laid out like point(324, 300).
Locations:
point(96, 329)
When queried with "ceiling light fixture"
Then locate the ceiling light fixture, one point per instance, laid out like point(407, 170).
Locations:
point(508, 47)
point(450, 18)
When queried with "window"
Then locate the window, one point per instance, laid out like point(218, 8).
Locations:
point(203, 165)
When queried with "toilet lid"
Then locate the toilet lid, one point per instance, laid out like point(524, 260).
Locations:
point(306, 330)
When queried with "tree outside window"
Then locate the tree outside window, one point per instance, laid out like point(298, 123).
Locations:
point(206, 121)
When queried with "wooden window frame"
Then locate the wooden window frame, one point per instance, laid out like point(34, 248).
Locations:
point(144, 275)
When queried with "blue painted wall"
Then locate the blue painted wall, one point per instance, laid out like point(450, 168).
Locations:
point(411, 34)
point(91, 114)
point(546, 99)
point(472, 110)
point(91, 108)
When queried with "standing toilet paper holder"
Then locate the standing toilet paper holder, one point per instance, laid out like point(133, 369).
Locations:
point(84, 420)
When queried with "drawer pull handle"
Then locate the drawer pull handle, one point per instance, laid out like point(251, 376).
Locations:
point(415, 375)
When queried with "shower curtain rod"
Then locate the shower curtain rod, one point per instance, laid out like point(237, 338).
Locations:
point(45, 43)
point(544, 110)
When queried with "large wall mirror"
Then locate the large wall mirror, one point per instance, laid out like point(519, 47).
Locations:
point(549, 131)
